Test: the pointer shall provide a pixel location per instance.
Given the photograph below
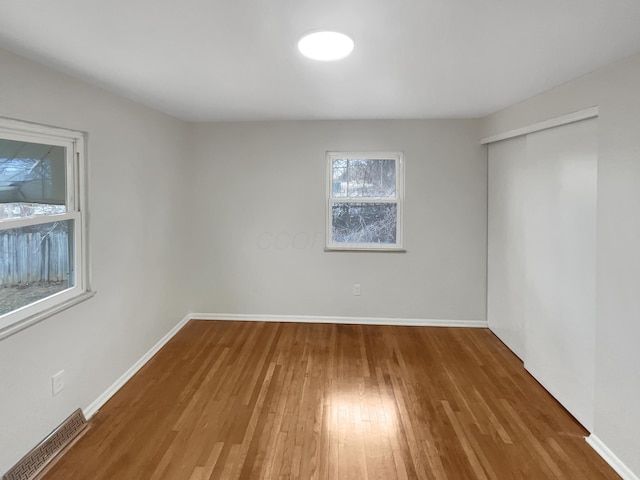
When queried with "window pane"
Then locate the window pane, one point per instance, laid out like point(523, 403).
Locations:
point(339, 178)
point(363, 178)
point(364, 222)
point(35, 262)
point(32, 179)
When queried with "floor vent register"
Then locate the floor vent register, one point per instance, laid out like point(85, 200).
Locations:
point(37, 460)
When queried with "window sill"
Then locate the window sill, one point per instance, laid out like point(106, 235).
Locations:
point(365, 250)
point(38, 317)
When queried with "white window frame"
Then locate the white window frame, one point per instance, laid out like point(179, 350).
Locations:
point(76, 202)
point(398, 200)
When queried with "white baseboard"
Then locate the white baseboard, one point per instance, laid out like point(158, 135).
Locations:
point(89, 411)
point(611, 458)
point(117, 385)
point(417, 322)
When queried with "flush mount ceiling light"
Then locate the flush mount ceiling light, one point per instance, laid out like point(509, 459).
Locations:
point(325, 46)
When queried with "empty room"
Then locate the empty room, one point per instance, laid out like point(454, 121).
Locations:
point(319, 240)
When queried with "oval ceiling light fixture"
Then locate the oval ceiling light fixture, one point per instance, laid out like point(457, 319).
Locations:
point(325, 45)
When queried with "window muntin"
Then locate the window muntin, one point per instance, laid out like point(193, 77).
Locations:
point(42, 251)
point(364, 200)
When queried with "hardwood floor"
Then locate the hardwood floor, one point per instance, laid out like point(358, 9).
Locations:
point(249, 400)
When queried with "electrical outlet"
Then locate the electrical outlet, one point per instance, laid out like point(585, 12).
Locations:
point(57, 383)
point(356, 289)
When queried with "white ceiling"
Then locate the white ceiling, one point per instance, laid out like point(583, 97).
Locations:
point(206, 60)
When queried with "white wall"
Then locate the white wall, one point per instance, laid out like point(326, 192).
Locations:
point(249, 207)
point(616, 91)
point(136, 195)
point(250, 210)
point(259, 200)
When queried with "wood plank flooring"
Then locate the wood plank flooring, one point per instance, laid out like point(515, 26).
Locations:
point(251, 400)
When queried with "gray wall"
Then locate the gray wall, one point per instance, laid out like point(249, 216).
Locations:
point(238, 228)
point(616, 91)
point(258, 205)
point(136, 192)
point(247, 181)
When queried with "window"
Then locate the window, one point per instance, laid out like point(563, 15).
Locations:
point(364, 208)
point(42, 227)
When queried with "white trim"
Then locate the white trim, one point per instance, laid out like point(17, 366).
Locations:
point(386, 250)
point(11, 223)
point(398, 200)
point(363, 154)
point(586, 423)
point(43, 314)
point(417, 322)
point(536, 127)
point(611, 458)
point(38, 129)
point(90, 410)
point(82, 204)
point(75, 201)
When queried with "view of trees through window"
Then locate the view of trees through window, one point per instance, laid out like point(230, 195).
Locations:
point(363, 178)
point(364, 222)
point(364, 209)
